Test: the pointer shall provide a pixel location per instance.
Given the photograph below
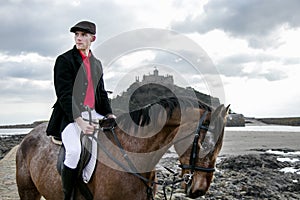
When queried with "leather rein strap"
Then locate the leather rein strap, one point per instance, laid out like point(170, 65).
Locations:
point(194, 153)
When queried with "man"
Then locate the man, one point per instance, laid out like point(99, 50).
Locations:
point(78, 82)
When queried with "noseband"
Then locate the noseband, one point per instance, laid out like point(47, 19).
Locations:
point(194, 153)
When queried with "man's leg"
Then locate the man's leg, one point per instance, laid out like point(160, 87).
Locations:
point(71, 141)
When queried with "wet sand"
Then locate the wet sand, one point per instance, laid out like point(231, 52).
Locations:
point(246, 142)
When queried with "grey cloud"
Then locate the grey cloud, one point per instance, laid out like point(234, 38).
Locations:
point(230, 70)
point(234, 66)
point(291, 61)
point(246, 58)
point(274, 75)
point(245, 19)
point(26, 70)
point(43, 26)
point(235, 70)
point(14, 91)
point(170, 44)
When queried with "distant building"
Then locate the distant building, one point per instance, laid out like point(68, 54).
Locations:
point(156, 78)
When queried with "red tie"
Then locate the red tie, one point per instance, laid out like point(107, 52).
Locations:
point(89, 95)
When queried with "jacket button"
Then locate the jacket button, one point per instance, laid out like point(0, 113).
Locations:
point(81, 104)
point(85, 83)
point(83, 94)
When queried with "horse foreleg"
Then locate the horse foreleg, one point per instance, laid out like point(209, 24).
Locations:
point(26, 187)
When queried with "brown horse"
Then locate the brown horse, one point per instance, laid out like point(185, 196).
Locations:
point(144, 135)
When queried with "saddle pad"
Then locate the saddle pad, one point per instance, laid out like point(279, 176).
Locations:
point(90, 167)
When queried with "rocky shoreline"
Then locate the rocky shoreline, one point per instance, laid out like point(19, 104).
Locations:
point(251, 176)
point(7, 142)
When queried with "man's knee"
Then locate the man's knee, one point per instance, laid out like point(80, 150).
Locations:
point(72, 157)
point(74, 153)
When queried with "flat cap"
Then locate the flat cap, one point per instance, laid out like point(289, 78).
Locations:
point(85, 26)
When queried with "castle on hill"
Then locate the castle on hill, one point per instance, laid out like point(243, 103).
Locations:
point(156, 78)
point(152, 86)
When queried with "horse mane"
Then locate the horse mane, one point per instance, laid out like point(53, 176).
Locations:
point(141, 116)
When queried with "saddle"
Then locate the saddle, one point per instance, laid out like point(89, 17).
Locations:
point(85, 156)
point(105, 124)
point(86, 147)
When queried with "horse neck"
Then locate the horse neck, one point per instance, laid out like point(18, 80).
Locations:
point(148, 140)
point(143, 152)
point(161, 134)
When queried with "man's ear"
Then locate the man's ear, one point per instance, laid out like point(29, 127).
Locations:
point(93, 38)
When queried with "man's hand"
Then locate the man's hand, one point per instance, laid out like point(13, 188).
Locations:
point(85, 126)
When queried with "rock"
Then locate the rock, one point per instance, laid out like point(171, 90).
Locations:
point(8, 142)
point(235, 120)
point(250, 176)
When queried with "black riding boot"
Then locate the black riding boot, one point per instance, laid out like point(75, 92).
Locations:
point(68, 177)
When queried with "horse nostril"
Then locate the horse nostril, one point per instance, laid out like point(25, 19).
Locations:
point(197, 193)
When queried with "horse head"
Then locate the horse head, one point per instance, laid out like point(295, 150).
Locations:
point(198, 155)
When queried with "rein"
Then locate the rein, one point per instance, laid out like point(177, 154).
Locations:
point(132, 169)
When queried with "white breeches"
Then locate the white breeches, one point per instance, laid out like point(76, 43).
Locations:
point(71, 140)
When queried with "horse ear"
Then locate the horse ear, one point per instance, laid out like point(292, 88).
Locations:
point(227, 109)
point(219, 109)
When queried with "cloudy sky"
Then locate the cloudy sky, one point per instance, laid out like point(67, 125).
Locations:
point(254, 45)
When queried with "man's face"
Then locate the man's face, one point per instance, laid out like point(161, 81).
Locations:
point(83, 40)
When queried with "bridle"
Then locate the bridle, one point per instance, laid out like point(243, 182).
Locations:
point(131, 168)
point(194, 153)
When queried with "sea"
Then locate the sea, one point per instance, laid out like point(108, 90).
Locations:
point(267, 128)
point(14, 131)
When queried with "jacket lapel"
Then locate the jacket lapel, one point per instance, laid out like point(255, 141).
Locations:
point(95, 69)
point(78, 60)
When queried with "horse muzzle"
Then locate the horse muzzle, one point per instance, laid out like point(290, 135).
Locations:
point(194, 193)
point(196, 187)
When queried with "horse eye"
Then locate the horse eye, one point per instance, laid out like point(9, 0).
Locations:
point(206, 124)
point(211, 127)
